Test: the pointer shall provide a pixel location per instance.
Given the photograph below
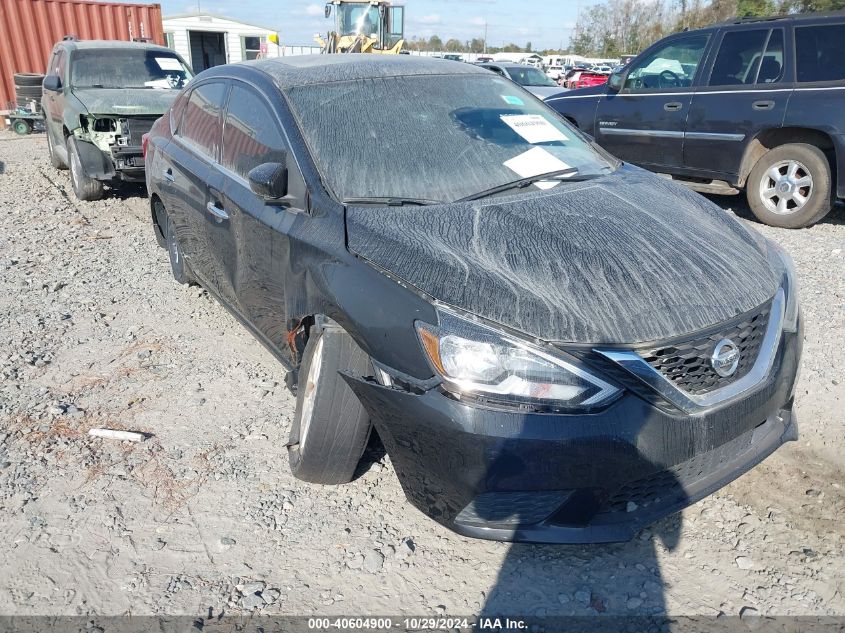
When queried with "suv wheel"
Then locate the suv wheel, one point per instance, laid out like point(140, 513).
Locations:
point(55, 161)
point(330, 428)
point(84, 187)
point(790, 186)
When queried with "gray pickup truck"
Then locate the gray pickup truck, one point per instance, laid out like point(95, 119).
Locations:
point(99, 99)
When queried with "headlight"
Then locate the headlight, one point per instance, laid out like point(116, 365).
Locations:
point(783, 263)
point(481, 362)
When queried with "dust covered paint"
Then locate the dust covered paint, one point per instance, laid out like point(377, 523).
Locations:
point(625, 258)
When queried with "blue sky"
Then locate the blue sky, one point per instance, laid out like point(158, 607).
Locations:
point(545, 23)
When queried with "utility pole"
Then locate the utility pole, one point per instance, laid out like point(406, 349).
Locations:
point(485, 37)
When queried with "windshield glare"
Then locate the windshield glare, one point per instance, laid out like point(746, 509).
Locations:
point(127, 68)
point(434, 137)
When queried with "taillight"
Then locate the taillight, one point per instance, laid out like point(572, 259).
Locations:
point(145, 139)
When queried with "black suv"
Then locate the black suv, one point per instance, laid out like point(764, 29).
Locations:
point(754, 104)
point(100, 98)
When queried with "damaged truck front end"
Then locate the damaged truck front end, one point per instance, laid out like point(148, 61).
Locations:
point(110, 147)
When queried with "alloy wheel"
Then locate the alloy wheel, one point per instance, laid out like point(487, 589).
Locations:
point(786, 187)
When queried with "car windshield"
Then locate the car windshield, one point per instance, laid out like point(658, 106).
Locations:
point(439, 138)
point(529, 76)
point(127, 68)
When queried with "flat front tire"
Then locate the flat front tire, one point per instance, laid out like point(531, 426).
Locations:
point(790, 186)
point(84, 187)
point(330, 428)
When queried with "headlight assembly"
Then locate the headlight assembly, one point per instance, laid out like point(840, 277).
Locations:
point(480, 362)
point(783, 263)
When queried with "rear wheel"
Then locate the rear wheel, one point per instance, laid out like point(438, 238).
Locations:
point(22, 127)
point(331, 427)
point(84, 187)
point(55, 161)
point(790, 186)
point(178, 266)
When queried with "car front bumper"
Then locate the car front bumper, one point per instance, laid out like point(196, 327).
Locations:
point(601, 477)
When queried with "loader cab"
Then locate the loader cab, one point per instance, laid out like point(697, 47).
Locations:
point(378, 20)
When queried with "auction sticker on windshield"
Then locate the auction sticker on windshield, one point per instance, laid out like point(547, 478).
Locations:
point(534, 162)
point(168, 63)
point(534, 128)
point(512, 100)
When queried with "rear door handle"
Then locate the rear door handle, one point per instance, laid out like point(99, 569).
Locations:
point(673, 106)
point(216, 211)
point(168, 175)
point(763, 105)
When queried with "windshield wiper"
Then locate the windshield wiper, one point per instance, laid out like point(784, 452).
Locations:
point(392, 202)
point(521, 183)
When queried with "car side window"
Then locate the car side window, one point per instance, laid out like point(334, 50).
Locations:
point(772, 67)
point(671, 66)
point(818, 52)
point(738, 60)
point(251, 135)
point(57, 65)
point(177, 110)
point(201, 121)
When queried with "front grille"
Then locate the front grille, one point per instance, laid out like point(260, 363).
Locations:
point(687, 363)
point(669, 485)
point(137, 127)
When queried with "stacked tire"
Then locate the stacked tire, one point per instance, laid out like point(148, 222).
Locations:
point(28, 90)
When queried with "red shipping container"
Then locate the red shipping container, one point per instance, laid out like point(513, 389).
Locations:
point(30, 28)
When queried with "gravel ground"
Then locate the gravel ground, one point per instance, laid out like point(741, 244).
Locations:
point(205, 514)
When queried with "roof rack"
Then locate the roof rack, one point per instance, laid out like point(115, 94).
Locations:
point(787, 16)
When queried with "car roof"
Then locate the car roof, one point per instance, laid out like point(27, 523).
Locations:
point(309, 70)
point(112, 44)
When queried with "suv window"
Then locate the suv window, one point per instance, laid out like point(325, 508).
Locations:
point(201, 121)
point(57, 65)
point(251, 135)
point(818, 50)
point(739, 58)
point(670, 66)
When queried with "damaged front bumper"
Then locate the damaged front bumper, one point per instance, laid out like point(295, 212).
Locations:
point(555, 478)
point(110, 148)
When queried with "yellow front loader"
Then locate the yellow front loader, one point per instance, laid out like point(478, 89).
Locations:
point(364, 26)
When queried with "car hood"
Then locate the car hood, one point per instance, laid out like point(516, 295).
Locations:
point(126, 101)
point(626, 258)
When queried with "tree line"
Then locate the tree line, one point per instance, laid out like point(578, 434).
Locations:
point(476, 45)
point(618, 27)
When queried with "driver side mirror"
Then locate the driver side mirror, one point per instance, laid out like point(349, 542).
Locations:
point(616, 81)
point(52, 83)
point(328, 10)
point(270, 181)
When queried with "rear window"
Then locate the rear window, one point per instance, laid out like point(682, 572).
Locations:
point(819, 53)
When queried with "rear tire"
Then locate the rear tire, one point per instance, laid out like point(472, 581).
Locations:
point(178, 266)
point(85, 188)
point(22, 127)
point(790, 186)
point(55, 161)
point(331, 427)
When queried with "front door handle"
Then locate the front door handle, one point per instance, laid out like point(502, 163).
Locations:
point(216, 211)
point(763, 105)
point(168, 175)
point(673, 106)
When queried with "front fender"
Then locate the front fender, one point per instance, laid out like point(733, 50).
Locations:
point(95, 163)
